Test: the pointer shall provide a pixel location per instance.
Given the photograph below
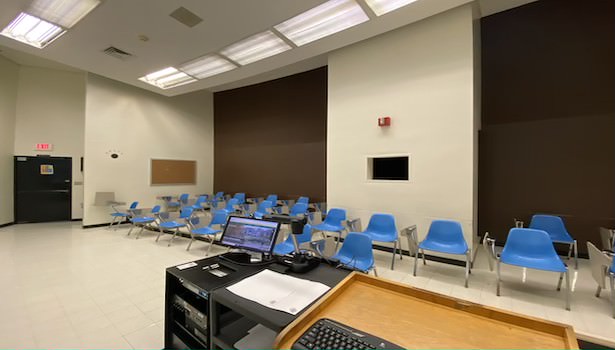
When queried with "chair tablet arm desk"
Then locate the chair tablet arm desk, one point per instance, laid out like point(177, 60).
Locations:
point(415, 318)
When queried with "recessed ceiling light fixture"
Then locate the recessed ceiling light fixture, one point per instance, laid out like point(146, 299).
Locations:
point(168, 78)
point(207, 66)
point(255, 48)
point(32, 30)
point(380, 7)
point(65, 13)
point(329, 18)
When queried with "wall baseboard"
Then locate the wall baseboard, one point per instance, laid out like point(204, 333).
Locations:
point(7, 224)
point(101, 225)
point(76, 219)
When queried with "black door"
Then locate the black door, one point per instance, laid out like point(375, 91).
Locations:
point(42, 189)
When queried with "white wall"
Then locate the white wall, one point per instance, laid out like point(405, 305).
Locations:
point(422, 76)
point(140, 125)
point(8, 106)
point(51, 109)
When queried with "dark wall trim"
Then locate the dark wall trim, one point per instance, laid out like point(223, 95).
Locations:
point(7, 224)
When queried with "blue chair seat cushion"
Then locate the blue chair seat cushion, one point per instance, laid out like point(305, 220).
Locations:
point(328, 227)
point(172, 224)
point(377, 236)
point(205, 231)
point(119, 214)
point(449, 248)
point(538, 264)
point(143, 220)
point(354, 263)
point(173, 204)
point(284, 248)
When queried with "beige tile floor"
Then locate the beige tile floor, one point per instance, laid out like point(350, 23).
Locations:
point(65, 287)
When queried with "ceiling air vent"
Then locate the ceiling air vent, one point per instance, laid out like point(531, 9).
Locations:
point(117, 53)
point(185, 17)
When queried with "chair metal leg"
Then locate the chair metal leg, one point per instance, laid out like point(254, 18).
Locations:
point(576, 256)
point(612, 278)
point(191, 240)
point(559, 282)
point(468, 254)
point(112, 222)
point(497, 272)
point(423, 254)
point(394, 252)
point(416, 261)
point(375, 271)
point(567, 291)
point(129, 231)
point(140, 231)
point(211, 242)
point(598, 290)
point(159, 233)
point(173, 238)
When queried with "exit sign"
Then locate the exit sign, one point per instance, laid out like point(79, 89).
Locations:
point(44, 147)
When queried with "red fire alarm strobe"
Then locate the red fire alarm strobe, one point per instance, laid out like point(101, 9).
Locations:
point(384, 121)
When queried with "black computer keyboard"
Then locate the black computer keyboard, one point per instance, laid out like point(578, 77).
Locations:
point(328, 334)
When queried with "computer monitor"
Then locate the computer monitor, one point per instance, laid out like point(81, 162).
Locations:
point(250, 234)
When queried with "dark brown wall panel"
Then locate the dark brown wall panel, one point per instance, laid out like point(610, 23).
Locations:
point(271, 137)
point(547, 142)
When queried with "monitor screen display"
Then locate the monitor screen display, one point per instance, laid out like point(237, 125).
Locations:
point(390, 168)
point(250, 234)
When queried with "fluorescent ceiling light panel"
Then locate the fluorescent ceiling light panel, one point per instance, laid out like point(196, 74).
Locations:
point(168, 78)
point(65, 13)
point(207, 66)
point(255, 48)
point(380, 7)
point(329, 18)
point(32, 30)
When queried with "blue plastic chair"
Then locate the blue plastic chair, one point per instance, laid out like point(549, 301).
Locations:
point(445, 236)
point(382, 228)
point(305, 200)
point(334, 222)
point(533, 249)
point(356, 253)
point(554, 226)
point(241, 197)
point(182, 221)
point(288, 246)
point(198, 204)
point(181, 201)
point(143, 221)
point(219, 219)
point(263, 209)
point(119, 216)
point(298, 209)
point(231, 205)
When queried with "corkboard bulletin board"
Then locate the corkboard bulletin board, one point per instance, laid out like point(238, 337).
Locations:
point(173, 172)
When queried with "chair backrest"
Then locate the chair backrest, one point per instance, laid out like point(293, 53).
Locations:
point(357, 246)
point(529, 242)
point(335, 216)
point(219, 195)
point(219, 218)
point(184, 198)
point(305, 200)
point(383, 224)
point(240, 197)
point(134, 205)
point(305, 236)
point(200, 200)
point(185, 213)
point(156, 209)
point(230, 205)
point(446, 231)
point(599, 264)
point(607, 236)
point(298, 209)
point(263, 206)
point(273, 198)
point(553, 225)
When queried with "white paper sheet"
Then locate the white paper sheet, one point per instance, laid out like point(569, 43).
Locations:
point(278, 291)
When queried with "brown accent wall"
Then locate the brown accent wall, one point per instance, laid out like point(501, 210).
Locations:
point(271, 137)
point(547, 143)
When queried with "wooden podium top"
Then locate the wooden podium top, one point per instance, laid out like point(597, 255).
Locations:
point(415, 318)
